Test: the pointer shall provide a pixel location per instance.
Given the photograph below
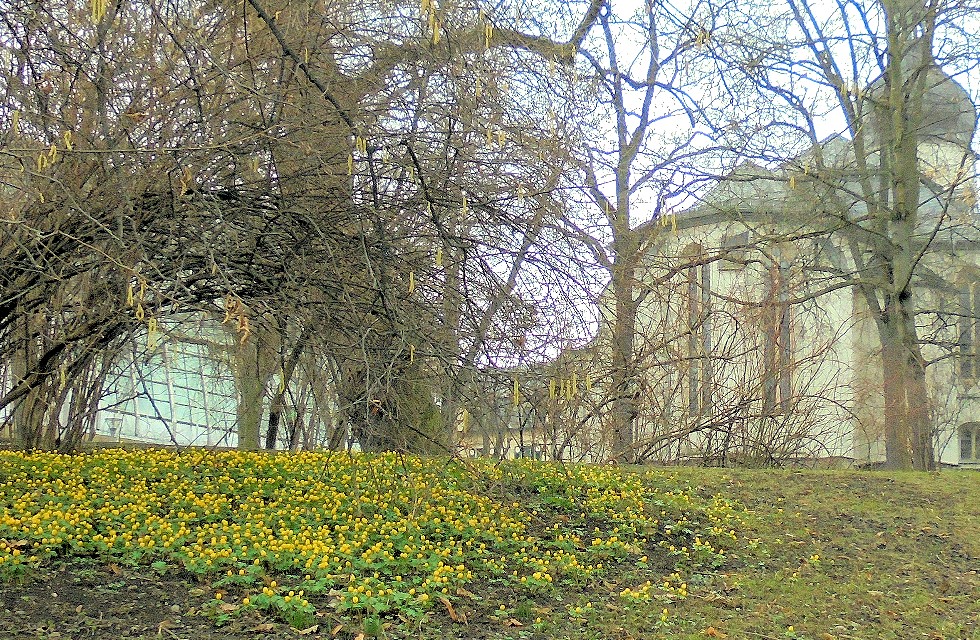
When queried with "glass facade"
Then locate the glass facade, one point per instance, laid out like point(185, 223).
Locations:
point(178, 393)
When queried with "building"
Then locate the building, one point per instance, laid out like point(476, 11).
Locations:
point(173, 386)
point(180, 391)
point(758, 335)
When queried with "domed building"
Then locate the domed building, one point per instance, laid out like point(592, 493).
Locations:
point(764, 336)
point(768, 311)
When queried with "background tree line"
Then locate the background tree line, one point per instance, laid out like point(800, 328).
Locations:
point(406, 199)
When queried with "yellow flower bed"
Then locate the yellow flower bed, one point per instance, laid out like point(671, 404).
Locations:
point(371, 533)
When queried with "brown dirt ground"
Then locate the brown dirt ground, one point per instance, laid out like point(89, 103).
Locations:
point(88, 600)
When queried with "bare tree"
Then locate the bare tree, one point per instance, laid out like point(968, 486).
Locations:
point(900, 185)
point(342, 191)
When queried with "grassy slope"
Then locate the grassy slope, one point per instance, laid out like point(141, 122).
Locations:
point(819, 555)
point(848, 555)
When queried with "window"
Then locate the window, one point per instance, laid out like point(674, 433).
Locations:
point(777, 337)
point(181, 388)
point(699, 345)
point(532, 452)
point(734, 256)
point(969, 332)
point(970, 442)
point(113, 426)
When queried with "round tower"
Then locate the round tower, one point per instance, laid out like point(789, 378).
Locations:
point(942, 113)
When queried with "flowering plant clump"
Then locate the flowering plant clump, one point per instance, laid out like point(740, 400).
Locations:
point(366, 535)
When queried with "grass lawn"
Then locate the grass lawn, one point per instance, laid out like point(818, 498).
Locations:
point(155, 544)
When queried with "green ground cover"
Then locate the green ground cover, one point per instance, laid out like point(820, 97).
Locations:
point(154, 543)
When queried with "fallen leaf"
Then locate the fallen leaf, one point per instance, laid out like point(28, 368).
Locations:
point(114, 568)
point(166, 624)
point(78, 609)
point(265, 626)
point(337, 629)
point(711, 632)
point(513, 622)
point(466, 594)
point(449, 609)
point(227, 607)
point(306, 632)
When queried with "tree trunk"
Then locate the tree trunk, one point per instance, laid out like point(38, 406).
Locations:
point(898, 452)
point(278, 404)
point(457, 379)
point(908, 434)
point(251, 391)
point(299, 427)
point(624, 406)
point(908, 424)
point(917, 406)
point(923, 449)
point(338, 432)
point(250, 378)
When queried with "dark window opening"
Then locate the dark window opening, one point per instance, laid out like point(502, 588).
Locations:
point(970, 442)
point(969, 332)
